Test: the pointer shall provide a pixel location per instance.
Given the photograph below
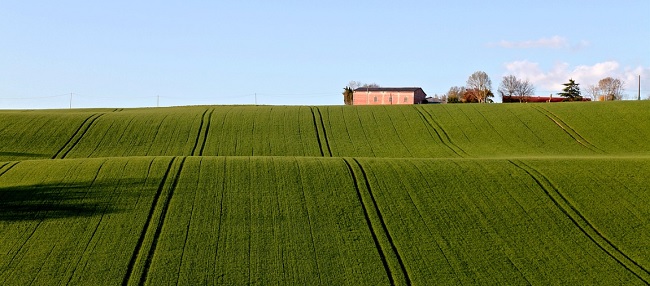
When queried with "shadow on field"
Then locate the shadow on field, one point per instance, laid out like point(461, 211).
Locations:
point(23, 155)
point(37, 202)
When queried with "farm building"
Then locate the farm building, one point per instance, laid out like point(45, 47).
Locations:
point(510, 99)
point(388, 95)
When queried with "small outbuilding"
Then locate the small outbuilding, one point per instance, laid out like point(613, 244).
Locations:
point(388, 95)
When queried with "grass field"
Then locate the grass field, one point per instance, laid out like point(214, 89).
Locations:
point(376, 195)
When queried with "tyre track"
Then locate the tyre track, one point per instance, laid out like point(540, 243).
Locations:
point(309, 221)
point(446, 140)
point(221, 215)
point(526, 125)
point(155, 135)
point(206, 132)
point(582, 223)
point(318, 136)
point(188, 228)
point(74, 268)
point(406, 147)
point(491, 125)
point(6, 167)
point(386, 255)
point(568, 129)
point(322, 124)
point(145, 248)
point(76, 137)
point(201, 135)
point(358, 117)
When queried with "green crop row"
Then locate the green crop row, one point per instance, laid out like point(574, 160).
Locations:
point(302, 220)
point(492, 222)
point(424, 131)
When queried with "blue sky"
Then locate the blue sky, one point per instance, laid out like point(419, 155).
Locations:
point(134, 53)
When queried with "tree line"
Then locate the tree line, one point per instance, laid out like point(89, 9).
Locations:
point(478, 89)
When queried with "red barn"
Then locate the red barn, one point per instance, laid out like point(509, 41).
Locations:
point(388, 95)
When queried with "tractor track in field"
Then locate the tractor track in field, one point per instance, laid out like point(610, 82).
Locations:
point(489, 123)
point(568, 129)
point(155, 135)
point(77, 136)
point(22, 245)
point(392, 122)
point(526, 125)
point(373, 230)
point(444, 138)
point(309, 220)
point(322, 124)
point(322, 138)
point(318, 136)
point(145, 248)
point(6, 167)
point(202, 134)
point(579, 220)
point(206, 133)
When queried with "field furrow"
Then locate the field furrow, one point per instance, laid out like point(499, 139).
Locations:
point(569, 131)
point(392, 261)
point(199, 135)
point(499, 227)
point(428, 119)
point(612, 195)
point(404, 141)
point(318, 133)
point(161, 221)
point(65, 216)
point(206, 133)
point(444, 194)
point(324, 131)
point(583, 223)
point(76, 137)
point(139, 264)
point(6, 167)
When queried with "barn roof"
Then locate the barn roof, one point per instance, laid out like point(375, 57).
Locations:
point(388, 89)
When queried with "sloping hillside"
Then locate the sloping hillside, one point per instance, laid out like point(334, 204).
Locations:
point(421, 131)
point(431, 194)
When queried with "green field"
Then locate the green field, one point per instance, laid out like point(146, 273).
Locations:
point(330, 195)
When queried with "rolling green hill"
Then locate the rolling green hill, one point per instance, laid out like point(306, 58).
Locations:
point(429, 194)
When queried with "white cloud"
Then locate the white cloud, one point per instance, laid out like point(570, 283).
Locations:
point(550, 81)
point(555, 42)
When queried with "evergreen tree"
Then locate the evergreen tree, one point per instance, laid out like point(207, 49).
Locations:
point(571, 91)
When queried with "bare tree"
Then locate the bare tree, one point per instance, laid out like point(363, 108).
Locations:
point(455, 94)
point(511, 87)
point(593, 91)
point(508, 86)
point(481, 83)
point(525, 88)
point(370, 85)
point(354, 84)
point(357, 84)
point(611, 88)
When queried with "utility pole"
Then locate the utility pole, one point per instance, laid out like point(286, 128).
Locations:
point(639, 87)
point(71, 100)
point(256, 98)
point(158, 100)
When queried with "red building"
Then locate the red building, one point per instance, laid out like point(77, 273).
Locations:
point(388, 95)
point(509, 99)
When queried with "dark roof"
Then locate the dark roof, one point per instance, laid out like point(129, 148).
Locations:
point(432, 100)
point(388, 89)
